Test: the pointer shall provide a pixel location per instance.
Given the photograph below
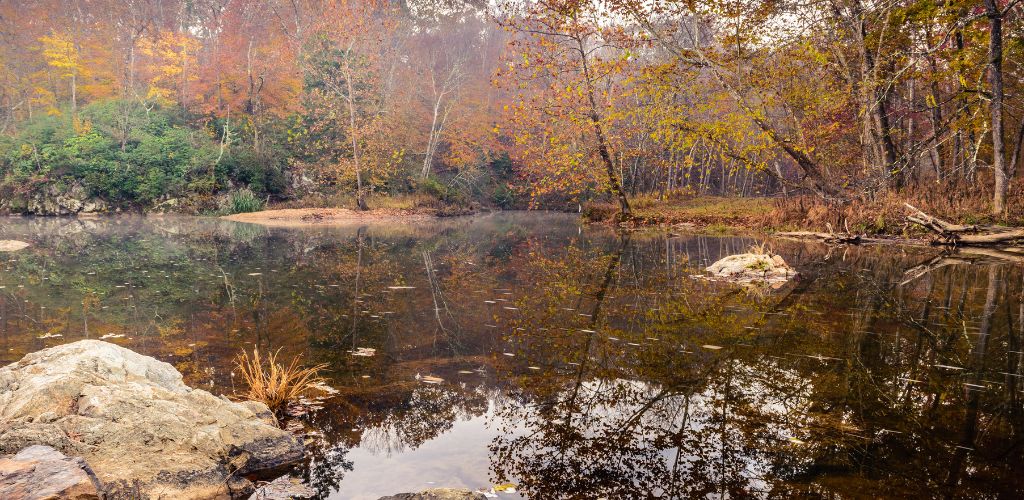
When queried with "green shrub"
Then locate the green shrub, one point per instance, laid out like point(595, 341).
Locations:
point(242, 201)
point(503, 197)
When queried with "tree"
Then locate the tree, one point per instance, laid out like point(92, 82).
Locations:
point(61, 53)
point(568, 61)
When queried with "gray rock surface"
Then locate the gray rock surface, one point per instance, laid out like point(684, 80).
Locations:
point(141, 429)
point(284, 488)
point(41, 472)
point(56, 199)
point(438, 494)
point(752, 267)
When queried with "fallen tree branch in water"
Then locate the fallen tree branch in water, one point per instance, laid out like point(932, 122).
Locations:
point(835, 238)
point(964, 256)
point(831, 237)
point(958, 234)
point(937, 262)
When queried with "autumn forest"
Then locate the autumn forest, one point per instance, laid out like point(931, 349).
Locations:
point(511, 249)
point(206, 105)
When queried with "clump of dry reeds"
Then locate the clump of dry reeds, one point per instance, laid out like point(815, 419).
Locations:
point(273, 383)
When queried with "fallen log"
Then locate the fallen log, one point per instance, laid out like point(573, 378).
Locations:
point(959, 235)
point(936, 224)
point(837, 238)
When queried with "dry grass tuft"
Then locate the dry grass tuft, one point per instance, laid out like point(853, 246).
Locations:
point(761, 249)
point(275, 384)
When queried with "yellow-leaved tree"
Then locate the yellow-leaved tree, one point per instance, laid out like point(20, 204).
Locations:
point(60, 53)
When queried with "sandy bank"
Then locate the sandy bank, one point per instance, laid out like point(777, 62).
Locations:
point(299, 217)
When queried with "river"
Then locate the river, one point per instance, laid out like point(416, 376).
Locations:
point(570, 361)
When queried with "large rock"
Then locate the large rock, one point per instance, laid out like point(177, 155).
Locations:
point(41, 472)
point(60, 199)
point(141, 429)
point(752, 268)
point(438, 494)
point(284, 488)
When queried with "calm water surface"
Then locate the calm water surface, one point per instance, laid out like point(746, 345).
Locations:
point(573, 362)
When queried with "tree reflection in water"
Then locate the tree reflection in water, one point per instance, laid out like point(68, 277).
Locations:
point(600, 364)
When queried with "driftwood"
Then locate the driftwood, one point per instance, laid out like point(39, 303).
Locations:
point(830, 237)
point(961, 235)
point(837, 238)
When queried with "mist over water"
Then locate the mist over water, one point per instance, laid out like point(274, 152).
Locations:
point(570, 361)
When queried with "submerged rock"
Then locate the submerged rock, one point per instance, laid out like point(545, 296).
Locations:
point(284, 488)
point(752, 267)
point(41, 472)
point(138, 426)
point(12, 245)
point(438, 494)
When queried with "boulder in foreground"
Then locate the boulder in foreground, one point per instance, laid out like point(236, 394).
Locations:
point(138, 426)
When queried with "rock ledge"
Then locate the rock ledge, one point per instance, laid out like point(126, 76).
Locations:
point(137, 425)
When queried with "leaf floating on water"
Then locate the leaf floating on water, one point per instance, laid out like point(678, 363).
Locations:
point(430, 379)
point(508, 354)
point(534, 367)
point(712, 347)
point(323, 387)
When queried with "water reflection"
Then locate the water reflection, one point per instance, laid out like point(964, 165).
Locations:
point(573, 362)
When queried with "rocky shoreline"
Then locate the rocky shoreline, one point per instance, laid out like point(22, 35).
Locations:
point(93, 420)
point(126, 424)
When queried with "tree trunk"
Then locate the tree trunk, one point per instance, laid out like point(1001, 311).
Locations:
point(875, 104)
point(995, 78)
point(602, 143)
point(360, 200)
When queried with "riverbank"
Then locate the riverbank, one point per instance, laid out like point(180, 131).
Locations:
point(882, 217)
